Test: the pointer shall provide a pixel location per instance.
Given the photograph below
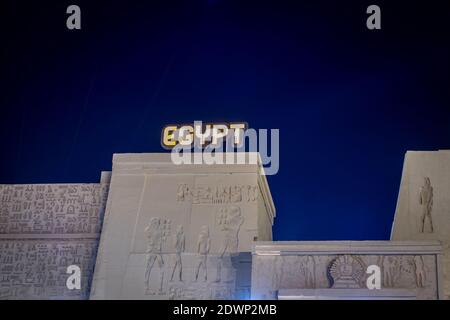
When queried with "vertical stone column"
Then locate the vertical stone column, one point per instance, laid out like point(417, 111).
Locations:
point(423, 206)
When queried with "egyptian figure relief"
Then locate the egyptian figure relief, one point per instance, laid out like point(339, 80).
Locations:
point(426, 204)
point(203, 247)
point(213, 274)
point(308, 268)
point(189, 272)
point(419, 271)
point(156, 233)
point(194, 268)
point(198, 285)
point(177, 268)
point(230, 222)
point(272, 273)
point(391, 268)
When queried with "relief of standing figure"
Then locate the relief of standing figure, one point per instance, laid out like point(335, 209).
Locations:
point(231, 239)
point(203, 246)
point(310, 272)
point(389, 271)
point(419, 270)
point(426, 201)
point(179, 248)
point(154, 249)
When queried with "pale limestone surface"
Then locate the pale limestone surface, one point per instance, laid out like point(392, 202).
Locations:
point(337, 269)
point(186, 232)
point(180, 231)
point(423, 206)
point(44, 228)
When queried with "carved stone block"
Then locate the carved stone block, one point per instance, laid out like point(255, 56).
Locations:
point(166, 222)
point(44, 228)
point(423, 206)
point(338, 269)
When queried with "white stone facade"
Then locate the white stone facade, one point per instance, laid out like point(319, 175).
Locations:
point(171, 231)
point(44, 228)
point(423, 206)
point(337, 270)
point(180, 231)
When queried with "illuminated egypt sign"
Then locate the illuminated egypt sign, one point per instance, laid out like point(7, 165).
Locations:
point(186, 135)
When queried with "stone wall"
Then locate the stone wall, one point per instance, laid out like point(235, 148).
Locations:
point(423, 206)
point(44, 228)
point(180, 231)
point(337, 270)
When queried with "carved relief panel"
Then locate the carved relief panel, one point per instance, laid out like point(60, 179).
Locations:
point(272, 273)
point(36, 269)
point(52, 209)
point(43, 230)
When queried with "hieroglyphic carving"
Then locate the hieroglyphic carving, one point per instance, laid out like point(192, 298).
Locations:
point(346, 271)
point(52, 209)
point(165, 227)
point(203, 247)
point(183, 192)
point(236, 194)
point(222, 194)
point(44, 228)
point(426, 202)
point(36, 269)
point(252, 193)
point(201, 290)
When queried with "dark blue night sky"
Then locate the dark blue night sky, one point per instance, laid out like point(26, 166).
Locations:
point(349, 102)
